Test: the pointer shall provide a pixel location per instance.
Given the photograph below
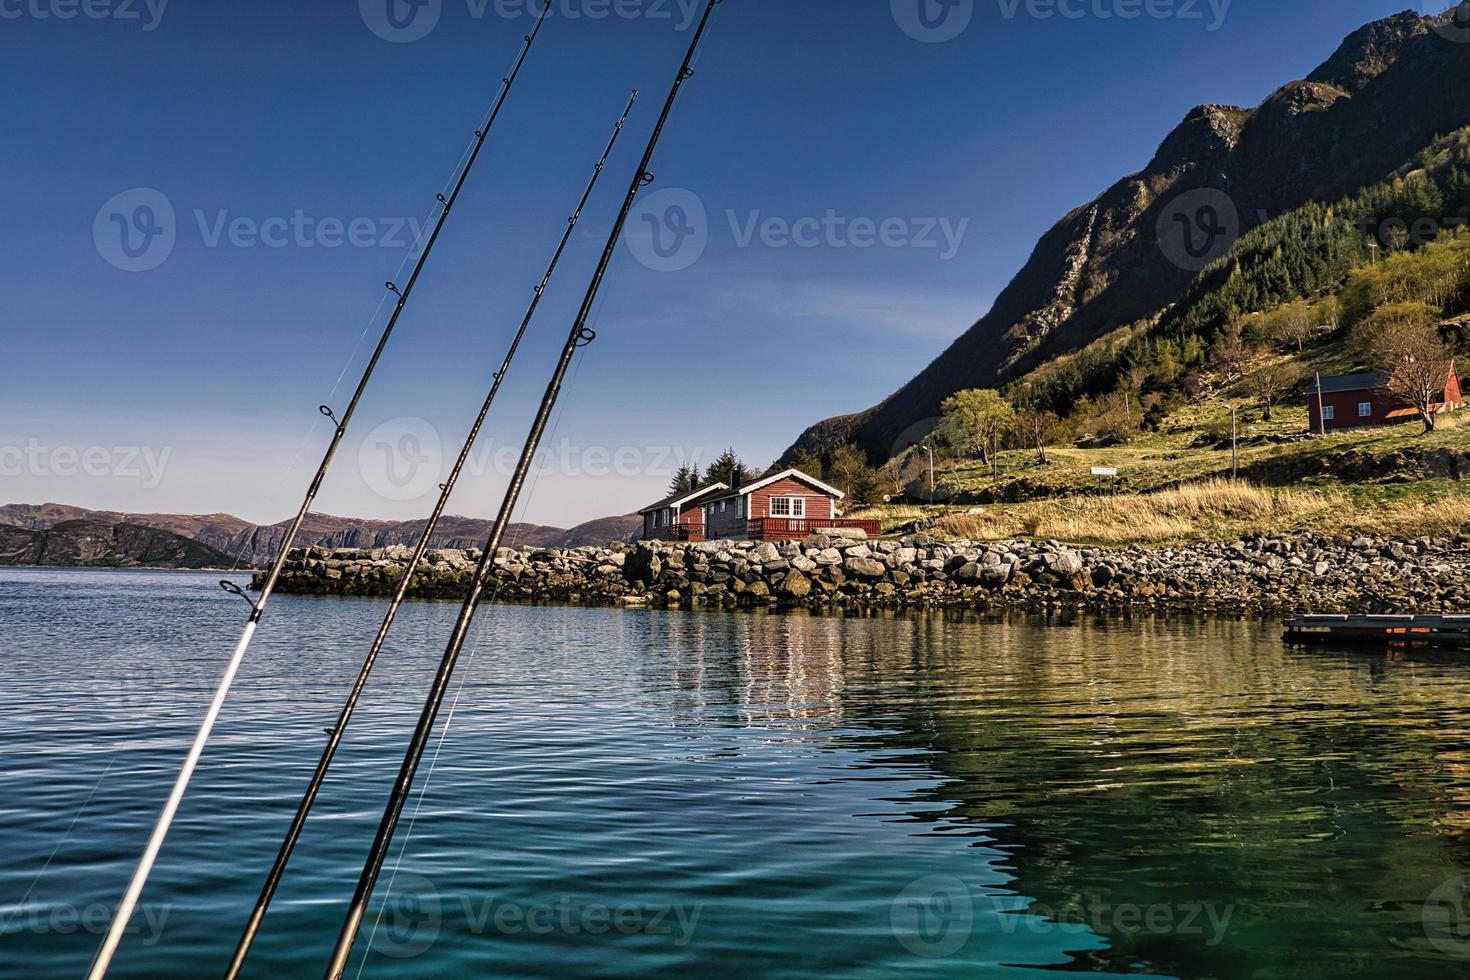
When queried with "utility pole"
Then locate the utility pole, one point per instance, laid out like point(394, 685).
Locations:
point(930, 450)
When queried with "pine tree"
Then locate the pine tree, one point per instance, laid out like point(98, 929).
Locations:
point(725, 467)
point(862, 487)
point(686, 479)
point(808, 462)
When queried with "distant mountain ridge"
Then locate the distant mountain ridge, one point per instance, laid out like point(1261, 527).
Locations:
point(104, 544)
point(1385, 94)
point(250, 545)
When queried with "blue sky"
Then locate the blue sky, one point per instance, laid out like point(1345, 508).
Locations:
point(866, 190)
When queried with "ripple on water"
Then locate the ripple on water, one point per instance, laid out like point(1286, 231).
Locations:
point(639, 793)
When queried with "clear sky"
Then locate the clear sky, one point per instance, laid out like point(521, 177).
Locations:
point(908, 173)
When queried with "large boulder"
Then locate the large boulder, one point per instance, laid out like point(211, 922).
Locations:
point(995, 576)
point(1066, 563)
point(795, 585)
point(764, 553)
point(968, 573)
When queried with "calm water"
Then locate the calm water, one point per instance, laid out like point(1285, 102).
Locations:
point(630, 793)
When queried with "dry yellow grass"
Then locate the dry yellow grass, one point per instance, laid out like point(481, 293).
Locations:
point(1209, 510)
point(895, 514)
point(1212, 508)
point(1441, 517)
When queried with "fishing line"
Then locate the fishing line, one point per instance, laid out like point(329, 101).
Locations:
point(129, 901)
point(57, 849)
point(454, 705)
point(424, 792)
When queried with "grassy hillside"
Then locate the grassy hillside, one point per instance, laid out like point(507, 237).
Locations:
point(1175, 484)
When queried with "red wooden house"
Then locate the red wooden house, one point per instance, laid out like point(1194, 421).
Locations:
point(782, 506)
point(679, 517)
point(1351, 401)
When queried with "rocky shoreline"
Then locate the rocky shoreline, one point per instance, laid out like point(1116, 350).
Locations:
point(1261, 576)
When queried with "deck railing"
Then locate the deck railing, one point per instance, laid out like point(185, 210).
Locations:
point(688, 532)
point(787, 528)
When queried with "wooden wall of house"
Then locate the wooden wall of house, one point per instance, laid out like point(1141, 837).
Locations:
point(1345, 406)
point(727, 524)
point(818, 504)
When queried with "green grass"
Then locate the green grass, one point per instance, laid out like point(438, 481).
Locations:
point(1374, 476)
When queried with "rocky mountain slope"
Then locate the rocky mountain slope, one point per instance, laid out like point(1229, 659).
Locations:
point(255, 546)
point(1380, 98)
point(103, 544)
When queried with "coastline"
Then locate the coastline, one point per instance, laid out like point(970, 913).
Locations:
point(1263, 576)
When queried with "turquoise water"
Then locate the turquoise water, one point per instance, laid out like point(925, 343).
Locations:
point(636, 793)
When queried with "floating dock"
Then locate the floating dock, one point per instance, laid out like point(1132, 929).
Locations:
point(1387, 630)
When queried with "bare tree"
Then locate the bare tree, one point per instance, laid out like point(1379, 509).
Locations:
point(1232, 352)
point(1039, 428)
point(1271, 383)
point(895, 471)
point(1406, 345)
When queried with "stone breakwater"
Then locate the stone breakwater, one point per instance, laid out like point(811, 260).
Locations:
point(1258, 576)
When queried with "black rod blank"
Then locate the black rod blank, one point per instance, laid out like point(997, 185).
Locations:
point(128, 904)
point(578, 337)
point(335, 733)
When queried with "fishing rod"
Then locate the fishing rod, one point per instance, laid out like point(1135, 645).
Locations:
point(134, 891)
point(334, 734)
point(580, 336)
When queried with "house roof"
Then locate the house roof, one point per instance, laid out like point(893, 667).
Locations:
point(1366, 381)
point(680, 499)
point(792, 474)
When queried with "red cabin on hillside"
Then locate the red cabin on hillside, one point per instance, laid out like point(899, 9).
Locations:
point(1351, 401)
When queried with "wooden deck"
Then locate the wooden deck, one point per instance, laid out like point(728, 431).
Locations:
point(792, 528)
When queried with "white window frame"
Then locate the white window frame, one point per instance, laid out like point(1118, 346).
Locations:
point(1329, 413)
point(796, 507)
point(1365, 410)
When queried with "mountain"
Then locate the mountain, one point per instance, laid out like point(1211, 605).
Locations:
point(103, 544)
point(1384, 95)
point(255, 546)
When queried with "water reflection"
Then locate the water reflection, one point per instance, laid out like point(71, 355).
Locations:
point(1208, 800)
point(760, 795)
